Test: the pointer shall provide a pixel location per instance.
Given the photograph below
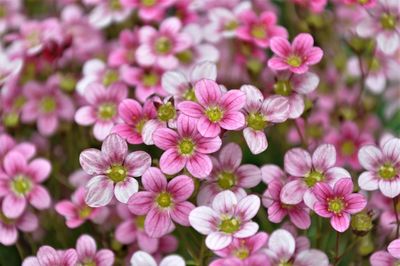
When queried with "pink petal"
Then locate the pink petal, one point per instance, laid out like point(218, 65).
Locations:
point(207, 128)
point(232, 120)
point(300, 218)
point(207, 92)
point(343, 187)
point(276, 109)
point(230, 156)
point(181, 211)
point(181, 188)
point(39, 170)
point(199, 165)
point(204, 70)
point(391, 150)
point(302, 43)
point(217, 240)
point(390, 188)
point(322, 191)
point(186, 125)
point(297, 162)
point(171, 162)
point(324, 157)
point(146, 34)
point(305, 83)
point(292, 193)
point(248, 207)
point(321, 209)
point(203, 219)
point(280, 46)
point(92, 161)
point(368, 181)
point(370, 157)
point(171, 25)
point(8, 234)
point(39, 198)
point(165, 138)
point(102, 129)
point(125, 189)
point(394, 248)
point(233, 100)
point(381, 258)
point(28, 222)
point(85, 247)
point(270, 172)
point(148, 130)
point(224, 202)
point(13, 206)
point(104, 257)
point(208, 145)
point(191, 109)
point(314, 55)
point(145, 56)
point(276, 213)
point(130, 110)
point(14, 162)
point(311, 257)
point(154, 180)
point(282, 242)
point(355, 203)
point(100, 191)
point(85, 116)
point(140, 258)
point(126, 232)
point(296, 104)
point(115, 148)
point(47, 125)
point(247, 229)
point(137, 163)
point(277, 63)
point(256, 140)
point(254, 98)
point(340, 223)
point(248, 176)
point(140, 203)
point(157, 223)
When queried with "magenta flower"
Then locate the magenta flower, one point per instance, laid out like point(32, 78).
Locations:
point(162, 202)
point(149, 10)
point(113, 170)
point(320, 168)
point(226, 219)
point(76, 212)
point(134, 116)
point(185, 148)
point(259, 114)
point(277, 210)
point(46, 104)
point(48, 256)
point(215, 109)
point(296, 57)
point(20, 183)
point(160, 47)
point(282, 247)
point(382, 165)
point(86, 250)
point(141, 258)
point(243, 252)
point(338, 203)
point(259, 29)
point(26, 222)
point(387, 258)
point(228, 174)
point(102, 108)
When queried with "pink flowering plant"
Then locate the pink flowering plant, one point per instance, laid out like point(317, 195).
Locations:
point(200, 132)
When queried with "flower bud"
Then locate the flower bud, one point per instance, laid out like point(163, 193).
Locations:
point(361, 223)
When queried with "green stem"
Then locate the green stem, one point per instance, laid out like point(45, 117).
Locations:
point(336, 261)
point(397, 216)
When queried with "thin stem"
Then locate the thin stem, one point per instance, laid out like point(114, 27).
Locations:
point(337, 249)
point(302, 137)
point(397, 217)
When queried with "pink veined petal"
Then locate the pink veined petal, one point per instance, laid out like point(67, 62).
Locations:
point(310, 199)
point(66, 208)
point(204, 70)
point(296, 106)
point(148, 130)
point(248, 207)
point(225, 202)
point(199, 165)
point(181, 211)
point(147, 243)
point(256, 140)
point(305, 83)
point(276, 213)
point(39, 197)
point(115, 149)
point(270, 172)
point(391, 150)
point(292, 193)
point(100, 191)
point(233, 100)
point(321, 208)
point(14, 162)
point(208, 145)
point(368, 181)
point(233, 120)
point(297, 162)
point(207, 128)
point(314, 55)
point(277, 63)
point(171, 162)
point(93, 162)
point(125, 189)
point(343, 187)
point(104, 257)
point(355, 203)
point(388, 42)
point(207, 92)
point(322, 191)
point(102, 129)
point(300, 69)
point(311, 257)
point(165, 138)
point(340, 223)
point(8, 234)
point(394, 248)
point(126, 232)
point(48, 256)
point(247, 229)
point(276, 109)
point(47, 125)
point(334, 174)
point(181, 188)
point(85, 247)
point(280, 46)
point(218, 240)
point(282, 242)
point(300, 218)
point(141, 202)
point(141, 258)
point(248, 176)
point(145, 56)
point(29, 261)
point(370, 157)
point(186, 126)
point(254, 98)
point(390, 188)
point(172, 260)
point(191, 109)
point(146, 34)
point(69, 257)
point(157, 222)
point(154, 180)
point(302, 43)
point(258, 241)
point(324, 157)
point(28, 222)
point(13, 206)
point(39, 169)
point(381, 258)
point(203, 219)
point(85, 116)
point(171, 25)
point(130, 110)
point(137, 162)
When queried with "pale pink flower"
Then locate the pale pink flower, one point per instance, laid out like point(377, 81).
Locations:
point(108, 11)
point(160, 47)
point(310, 170)
point(26, 149)
point(259, 29)
point(20, 184)
point(382, 165)
point(48, 256)
point(86, 250)
point(162, 202)
point(282, 249)
point(102, 108)
point(149, 10)
point(124, 54)
point(26, 222)
point(226, 219)
point(46, 105)
point(113, 170)
point(10, 66)
point(338, 203)
point(390, 257)
point(135, 117)
point(141, 258)
point(185, 148)
point(215, 109)
point(228, 174)
point(76, 212)
point(259, 113)
point(296, 57)
point(243, 252)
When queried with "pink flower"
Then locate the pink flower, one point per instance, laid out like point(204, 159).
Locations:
point(226, 219)
point(102, 110)
point(134, 116)
point(316, 6)
point(108, 11)
point(277, 210)
point(48, 256)
point(160, 47)
point(20, 183)
point(26, 222)
point(259, 29)
point(149, 10)
point(8, 143)
point(112, 165)
point(338, 203)
point(185, 148)
point(282, 249)
point(228, 174)
point(387, 258)
point(9, 67)
point(258, 114)
point(162, 202)
point(46, 104)
point(86, 250)
point(141, 258)
point(215, 109)
point(243, 252)
point(76, 212)
point(296, 57)
point(124, 54)
point(320, 168)
point(382, 165)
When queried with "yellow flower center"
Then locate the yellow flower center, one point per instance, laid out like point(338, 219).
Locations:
point(256, 121)
point(107, 111)
point(110, 77)
point(21, 185)
point(164, 200)
point(189, 95)
point(117, 173)
point(166, 112)
point(229, 225)
point(241, 253)
point(163, 45)
point(388, 21)
point(185, 57)
point(294, 60)
point(387, 171)
point(150, 79)
point(85, 212)
point(336, 205)
point(259, 32)
point(186, 147)
point(283, 87)
point(226, 180)
point(313, 177)
point(348, 147)
point(48, 104)
point(214, 114)
point(148, 3)
point(139, 221)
